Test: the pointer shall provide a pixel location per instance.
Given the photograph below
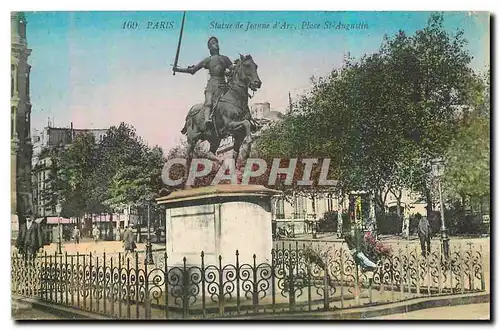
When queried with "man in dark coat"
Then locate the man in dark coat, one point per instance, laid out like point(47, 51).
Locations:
point(424, 233)
point(128, 240)
point(30, 239)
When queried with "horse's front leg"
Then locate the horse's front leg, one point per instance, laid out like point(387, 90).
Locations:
point(234, 127)
point(190, 155)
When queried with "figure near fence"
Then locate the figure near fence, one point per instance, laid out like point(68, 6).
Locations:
point(128, 241)
point(29, 239)
point(424, 234)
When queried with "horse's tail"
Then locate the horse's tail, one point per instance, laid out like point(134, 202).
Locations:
point(184, 129)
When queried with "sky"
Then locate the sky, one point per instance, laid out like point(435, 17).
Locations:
point(89, 70)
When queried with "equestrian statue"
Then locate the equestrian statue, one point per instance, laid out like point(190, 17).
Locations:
point(225, 111)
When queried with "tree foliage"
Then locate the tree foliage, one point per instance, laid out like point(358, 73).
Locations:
point(119, 171)
point(384, 117)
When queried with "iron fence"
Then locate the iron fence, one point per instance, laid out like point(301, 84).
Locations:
point(297, 278)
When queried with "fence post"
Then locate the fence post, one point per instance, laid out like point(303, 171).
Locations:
point(165, 271)
point(66, 282)
point(77, 279)
point(326, 297)
point(450, 267)
point(417, 260)
point(341, 277)
point(62, 279)
point(273, 275)
point(185, 288)
point(203, 282)
point(238, 302)
point(137, 285)
point(120, 285)
point(401, 277)
point(104, 284)
point(91, 285)
point(84, 282)
point(112, 288)
point(440, 263)
point(147, 302)
point(393, 285)
point(291, 286)
point(97, 285)
point(73, 281)
point(128, 288)
point(357, 291)
point(408, 270)
point(44, 276)
point(54, 277)
point(483, 286)
point(429, 279)
point(308, 267)
point(471, 268)
point(462, 269)
point(255, 291)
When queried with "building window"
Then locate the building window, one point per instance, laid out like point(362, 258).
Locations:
point(13, 79)
point(330, 202)
point(28, 124)
point(28, 82)
point(301, 207)
point(12, 121)
point(280, 208)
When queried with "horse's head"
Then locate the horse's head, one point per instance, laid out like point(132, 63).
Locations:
point(246, 72)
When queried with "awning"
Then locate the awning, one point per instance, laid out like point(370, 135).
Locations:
point(55, 220)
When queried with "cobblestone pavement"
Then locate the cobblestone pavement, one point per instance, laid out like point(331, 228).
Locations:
point(462, 312)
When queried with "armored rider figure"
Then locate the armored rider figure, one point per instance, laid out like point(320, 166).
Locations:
point(216, 64)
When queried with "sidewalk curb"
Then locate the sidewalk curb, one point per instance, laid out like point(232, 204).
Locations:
point(64, 312)
point(367, 312)
point(355, 313)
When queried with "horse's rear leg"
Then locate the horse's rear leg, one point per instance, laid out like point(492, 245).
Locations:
point(214, 145)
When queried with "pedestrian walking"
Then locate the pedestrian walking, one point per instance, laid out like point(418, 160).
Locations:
point(76, 235)
point(129, 241)
point(158, 234)
point(95, 233)
point(424, 233)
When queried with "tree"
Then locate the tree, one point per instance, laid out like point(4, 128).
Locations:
point(384, 117)
point(70, 180)
point(467, 171)
point(128, 171)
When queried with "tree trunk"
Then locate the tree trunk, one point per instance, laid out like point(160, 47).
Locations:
point(428, 199)
point(340, 220)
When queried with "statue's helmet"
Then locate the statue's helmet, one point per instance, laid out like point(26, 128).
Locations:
point(210, 40)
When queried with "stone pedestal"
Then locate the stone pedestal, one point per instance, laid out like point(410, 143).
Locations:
point(219, 220)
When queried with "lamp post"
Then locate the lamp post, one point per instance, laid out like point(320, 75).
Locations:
point(59, 229)
point(148, 260)
point(315, 222)
point(438, 171)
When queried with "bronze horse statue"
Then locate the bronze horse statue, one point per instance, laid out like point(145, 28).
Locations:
point(231, 115)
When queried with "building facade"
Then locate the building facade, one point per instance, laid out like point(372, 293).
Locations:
point(43, 142)
point(21, 145)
